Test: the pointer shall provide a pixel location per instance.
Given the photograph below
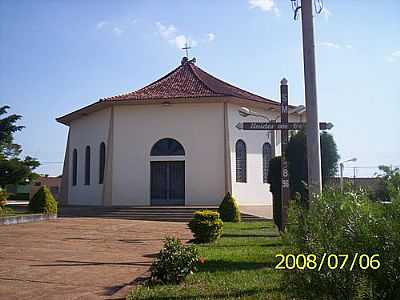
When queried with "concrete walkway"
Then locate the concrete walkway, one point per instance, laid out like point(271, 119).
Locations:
point(79, 258)
point(262, 211)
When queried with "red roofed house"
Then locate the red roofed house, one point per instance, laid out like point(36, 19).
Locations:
point(173, 142)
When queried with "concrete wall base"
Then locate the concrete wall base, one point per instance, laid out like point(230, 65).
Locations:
point(26, 219)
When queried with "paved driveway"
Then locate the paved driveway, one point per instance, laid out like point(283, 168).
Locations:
point(79, 258)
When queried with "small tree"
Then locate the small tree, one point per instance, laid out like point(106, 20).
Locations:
point(229, 209)
point(297, 159)
point(13, 170)
point(43, 202)
point(298, 178)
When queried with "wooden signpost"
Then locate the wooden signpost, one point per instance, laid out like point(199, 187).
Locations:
point(284, 126)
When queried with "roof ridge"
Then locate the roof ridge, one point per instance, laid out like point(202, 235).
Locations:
point(226, 83)
point(192, 66)
point(151, 83)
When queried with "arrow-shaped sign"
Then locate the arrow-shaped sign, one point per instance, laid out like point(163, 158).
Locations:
point(279, 126)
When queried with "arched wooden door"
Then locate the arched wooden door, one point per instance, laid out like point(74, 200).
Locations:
point(167, 182)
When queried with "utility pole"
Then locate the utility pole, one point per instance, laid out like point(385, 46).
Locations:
point(312, 128)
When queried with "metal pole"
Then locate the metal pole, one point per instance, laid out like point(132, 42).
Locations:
point(312, 128)
point(341, 177)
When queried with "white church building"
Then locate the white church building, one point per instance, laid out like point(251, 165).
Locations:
point(173, 142)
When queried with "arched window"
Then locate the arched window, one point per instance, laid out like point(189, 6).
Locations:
point(74, 167)
point(87, 165)
point(267, 155)
point(241, 172)
point(167, 147)
point(102, 162)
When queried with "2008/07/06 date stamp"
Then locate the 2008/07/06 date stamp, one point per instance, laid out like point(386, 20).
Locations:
point(332, 261)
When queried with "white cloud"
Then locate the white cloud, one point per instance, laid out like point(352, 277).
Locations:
point(390, 59)
point(393, 57)
point(330, 45)
point(166, 31)
point(265, 5)
point(170, 34)
point(118, 31)
point(180, 41)
point(336, 45)
point(101, 24)
point(396, 53)
point(326, 13)
point(211, 36)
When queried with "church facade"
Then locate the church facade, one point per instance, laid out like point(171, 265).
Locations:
point(173, 142)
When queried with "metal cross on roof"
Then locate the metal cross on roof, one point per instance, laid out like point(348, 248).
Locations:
point(186, 48)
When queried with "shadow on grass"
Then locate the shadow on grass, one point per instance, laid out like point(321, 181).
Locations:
point(220, 265)
point(268, 235)
point(234, 294)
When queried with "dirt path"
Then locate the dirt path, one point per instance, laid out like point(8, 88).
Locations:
point(79, 258)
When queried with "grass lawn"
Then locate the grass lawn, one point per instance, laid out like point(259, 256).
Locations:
point(238, 266)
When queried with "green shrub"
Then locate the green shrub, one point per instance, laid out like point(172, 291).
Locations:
point(6, 211)
point(19, 196)
point(3, 198)
point(345, 223)
point(206, 226)
point(229, 209)
point(43, 202)
point(174, 262)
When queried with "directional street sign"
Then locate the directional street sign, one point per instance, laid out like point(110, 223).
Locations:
point(279, 126)
point(283, 126)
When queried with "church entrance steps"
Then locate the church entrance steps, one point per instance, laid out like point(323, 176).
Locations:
point(154, 213)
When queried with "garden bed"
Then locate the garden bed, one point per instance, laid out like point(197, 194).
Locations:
point(239, 265)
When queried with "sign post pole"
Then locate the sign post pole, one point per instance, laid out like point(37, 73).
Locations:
point(285, 191)
point(284, 126)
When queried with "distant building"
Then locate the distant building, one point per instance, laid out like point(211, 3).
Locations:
point(53, 183)
point(366, 183)
point(173, 142)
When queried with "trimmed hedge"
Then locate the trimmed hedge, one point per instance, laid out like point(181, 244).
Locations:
point(206, 226)
point(229, 209)
point(43, 202)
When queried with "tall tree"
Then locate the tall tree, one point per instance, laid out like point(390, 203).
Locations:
point(13, 169)
point(297, 159)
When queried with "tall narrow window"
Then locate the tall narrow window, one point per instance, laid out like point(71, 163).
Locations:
point(102, 162)
point(87, 165)
point(267, 155)
point(241, 172)
point(74, 167)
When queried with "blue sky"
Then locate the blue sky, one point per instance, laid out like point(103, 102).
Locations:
point(57, 56)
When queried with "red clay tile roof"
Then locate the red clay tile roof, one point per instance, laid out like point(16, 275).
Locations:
point(188, 81)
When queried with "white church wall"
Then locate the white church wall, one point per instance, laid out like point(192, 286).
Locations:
point(89, 130)
point(254, 191)
point(198, 127)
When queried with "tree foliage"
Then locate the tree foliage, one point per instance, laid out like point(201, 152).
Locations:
point(13, 169)
point(297, 159)
point(229, 209)
point(43, 202)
